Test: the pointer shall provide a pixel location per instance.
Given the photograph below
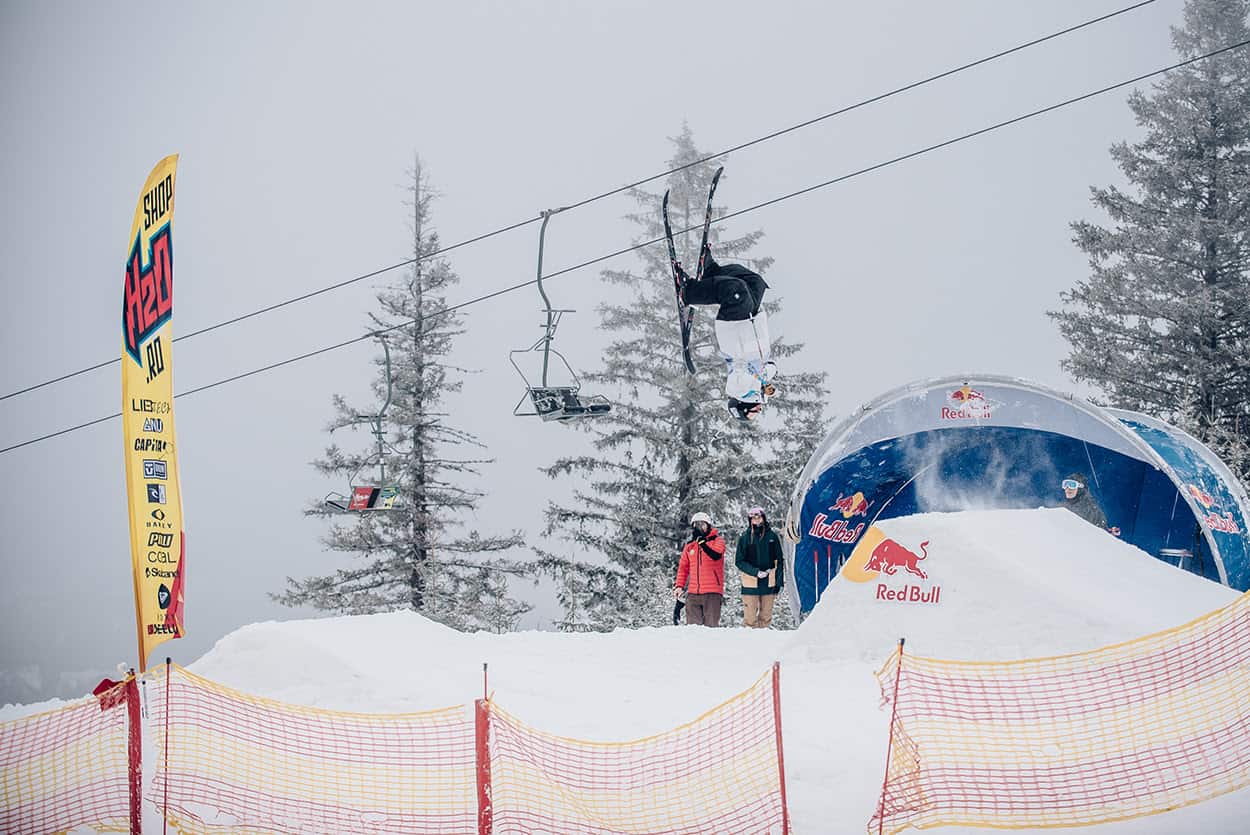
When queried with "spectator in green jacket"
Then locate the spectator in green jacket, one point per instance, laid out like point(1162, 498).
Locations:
point(761, 567)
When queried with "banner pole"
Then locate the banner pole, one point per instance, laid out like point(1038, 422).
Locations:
point(889, 749)
point(134, 759)
point(781, 757)
point(169, 674)
point(481, 730)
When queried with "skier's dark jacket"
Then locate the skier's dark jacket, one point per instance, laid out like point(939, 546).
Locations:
point(737, 291)
point(760, 552)
point(1085, 505)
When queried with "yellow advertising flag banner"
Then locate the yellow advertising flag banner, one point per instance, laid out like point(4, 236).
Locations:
point(157, 540)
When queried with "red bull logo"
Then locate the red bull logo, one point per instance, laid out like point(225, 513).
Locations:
point(1224, 524)
point(909, 594)
point(966, 403)
point(1201, 496)
point(836, 531)
point(849, 506)
point(877, 556)
point(1213, 519)
point(889, 556)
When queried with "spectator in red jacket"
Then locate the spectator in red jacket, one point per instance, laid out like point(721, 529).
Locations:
point(702, 572)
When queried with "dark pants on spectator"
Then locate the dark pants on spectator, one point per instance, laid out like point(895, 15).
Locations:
point(704, 609)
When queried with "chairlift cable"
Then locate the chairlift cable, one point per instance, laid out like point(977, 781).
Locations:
point(653, 241)
point(519, 224)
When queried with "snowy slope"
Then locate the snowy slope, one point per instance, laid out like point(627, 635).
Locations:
point(1015, 583)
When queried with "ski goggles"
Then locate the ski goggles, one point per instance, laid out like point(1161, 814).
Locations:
point(1071, 484)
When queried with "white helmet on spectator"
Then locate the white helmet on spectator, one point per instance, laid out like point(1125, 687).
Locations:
point(701, 517)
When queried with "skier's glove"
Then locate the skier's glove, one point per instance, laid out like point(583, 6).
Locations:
point(761, 574)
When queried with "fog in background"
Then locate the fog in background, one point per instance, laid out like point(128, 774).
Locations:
point(295, 124)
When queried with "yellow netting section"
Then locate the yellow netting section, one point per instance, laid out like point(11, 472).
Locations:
point(228, 762)
point(65, 769)
point(1128, 730)
point(719, 773)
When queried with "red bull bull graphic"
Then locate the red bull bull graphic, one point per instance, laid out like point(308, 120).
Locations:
point(967, 403)
point(889, 557)
point(1201, 496)
point(878, 556)
point(853, 505)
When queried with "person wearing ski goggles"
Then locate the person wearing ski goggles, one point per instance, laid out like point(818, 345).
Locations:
point(1078, 499)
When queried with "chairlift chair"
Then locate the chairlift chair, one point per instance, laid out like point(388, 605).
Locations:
point(562, 403)
point(362, 498)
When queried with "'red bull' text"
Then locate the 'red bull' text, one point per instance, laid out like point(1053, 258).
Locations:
point(1224, 523)
point(837, 531)
point(909, 594)
point(966, 413)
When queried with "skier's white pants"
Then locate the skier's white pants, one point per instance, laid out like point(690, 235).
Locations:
point(747, 352)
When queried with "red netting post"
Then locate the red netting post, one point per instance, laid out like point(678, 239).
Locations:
point(781, 758)
point(169, 673)
point(889, 748)
point(134, 754)
point(485, 814)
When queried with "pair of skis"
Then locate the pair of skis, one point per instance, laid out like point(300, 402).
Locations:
point(685, 313)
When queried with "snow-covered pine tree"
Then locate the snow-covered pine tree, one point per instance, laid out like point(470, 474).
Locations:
point(670, 448)
point(1162, 325)
point(412, 557)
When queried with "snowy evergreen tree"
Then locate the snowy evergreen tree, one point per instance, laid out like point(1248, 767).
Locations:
point(1162, 325)
point(411, 557)
point(670, 448)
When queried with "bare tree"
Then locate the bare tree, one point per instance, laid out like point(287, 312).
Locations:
point(416, 556)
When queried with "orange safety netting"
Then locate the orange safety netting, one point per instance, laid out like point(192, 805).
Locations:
point(1128, 730)
point(65, 769)
point(721, 773)
point(228, 762)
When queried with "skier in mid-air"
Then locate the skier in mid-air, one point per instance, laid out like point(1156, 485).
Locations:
point(741, 324)
point(741, 332)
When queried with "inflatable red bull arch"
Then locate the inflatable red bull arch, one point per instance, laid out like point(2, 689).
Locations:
point(963, 443)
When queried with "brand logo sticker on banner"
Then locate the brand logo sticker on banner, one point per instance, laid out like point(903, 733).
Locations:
point(878, 557)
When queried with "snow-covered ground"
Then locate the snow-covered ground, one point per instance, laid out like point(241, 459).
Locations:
point(1015, 583)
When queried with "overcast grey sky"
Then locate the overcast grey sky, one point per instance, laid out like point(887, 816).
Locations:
point(295, 123)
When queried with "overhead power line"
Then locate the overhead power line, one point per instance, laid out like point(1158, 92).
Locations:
point(653, 241)
point(513, 226)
